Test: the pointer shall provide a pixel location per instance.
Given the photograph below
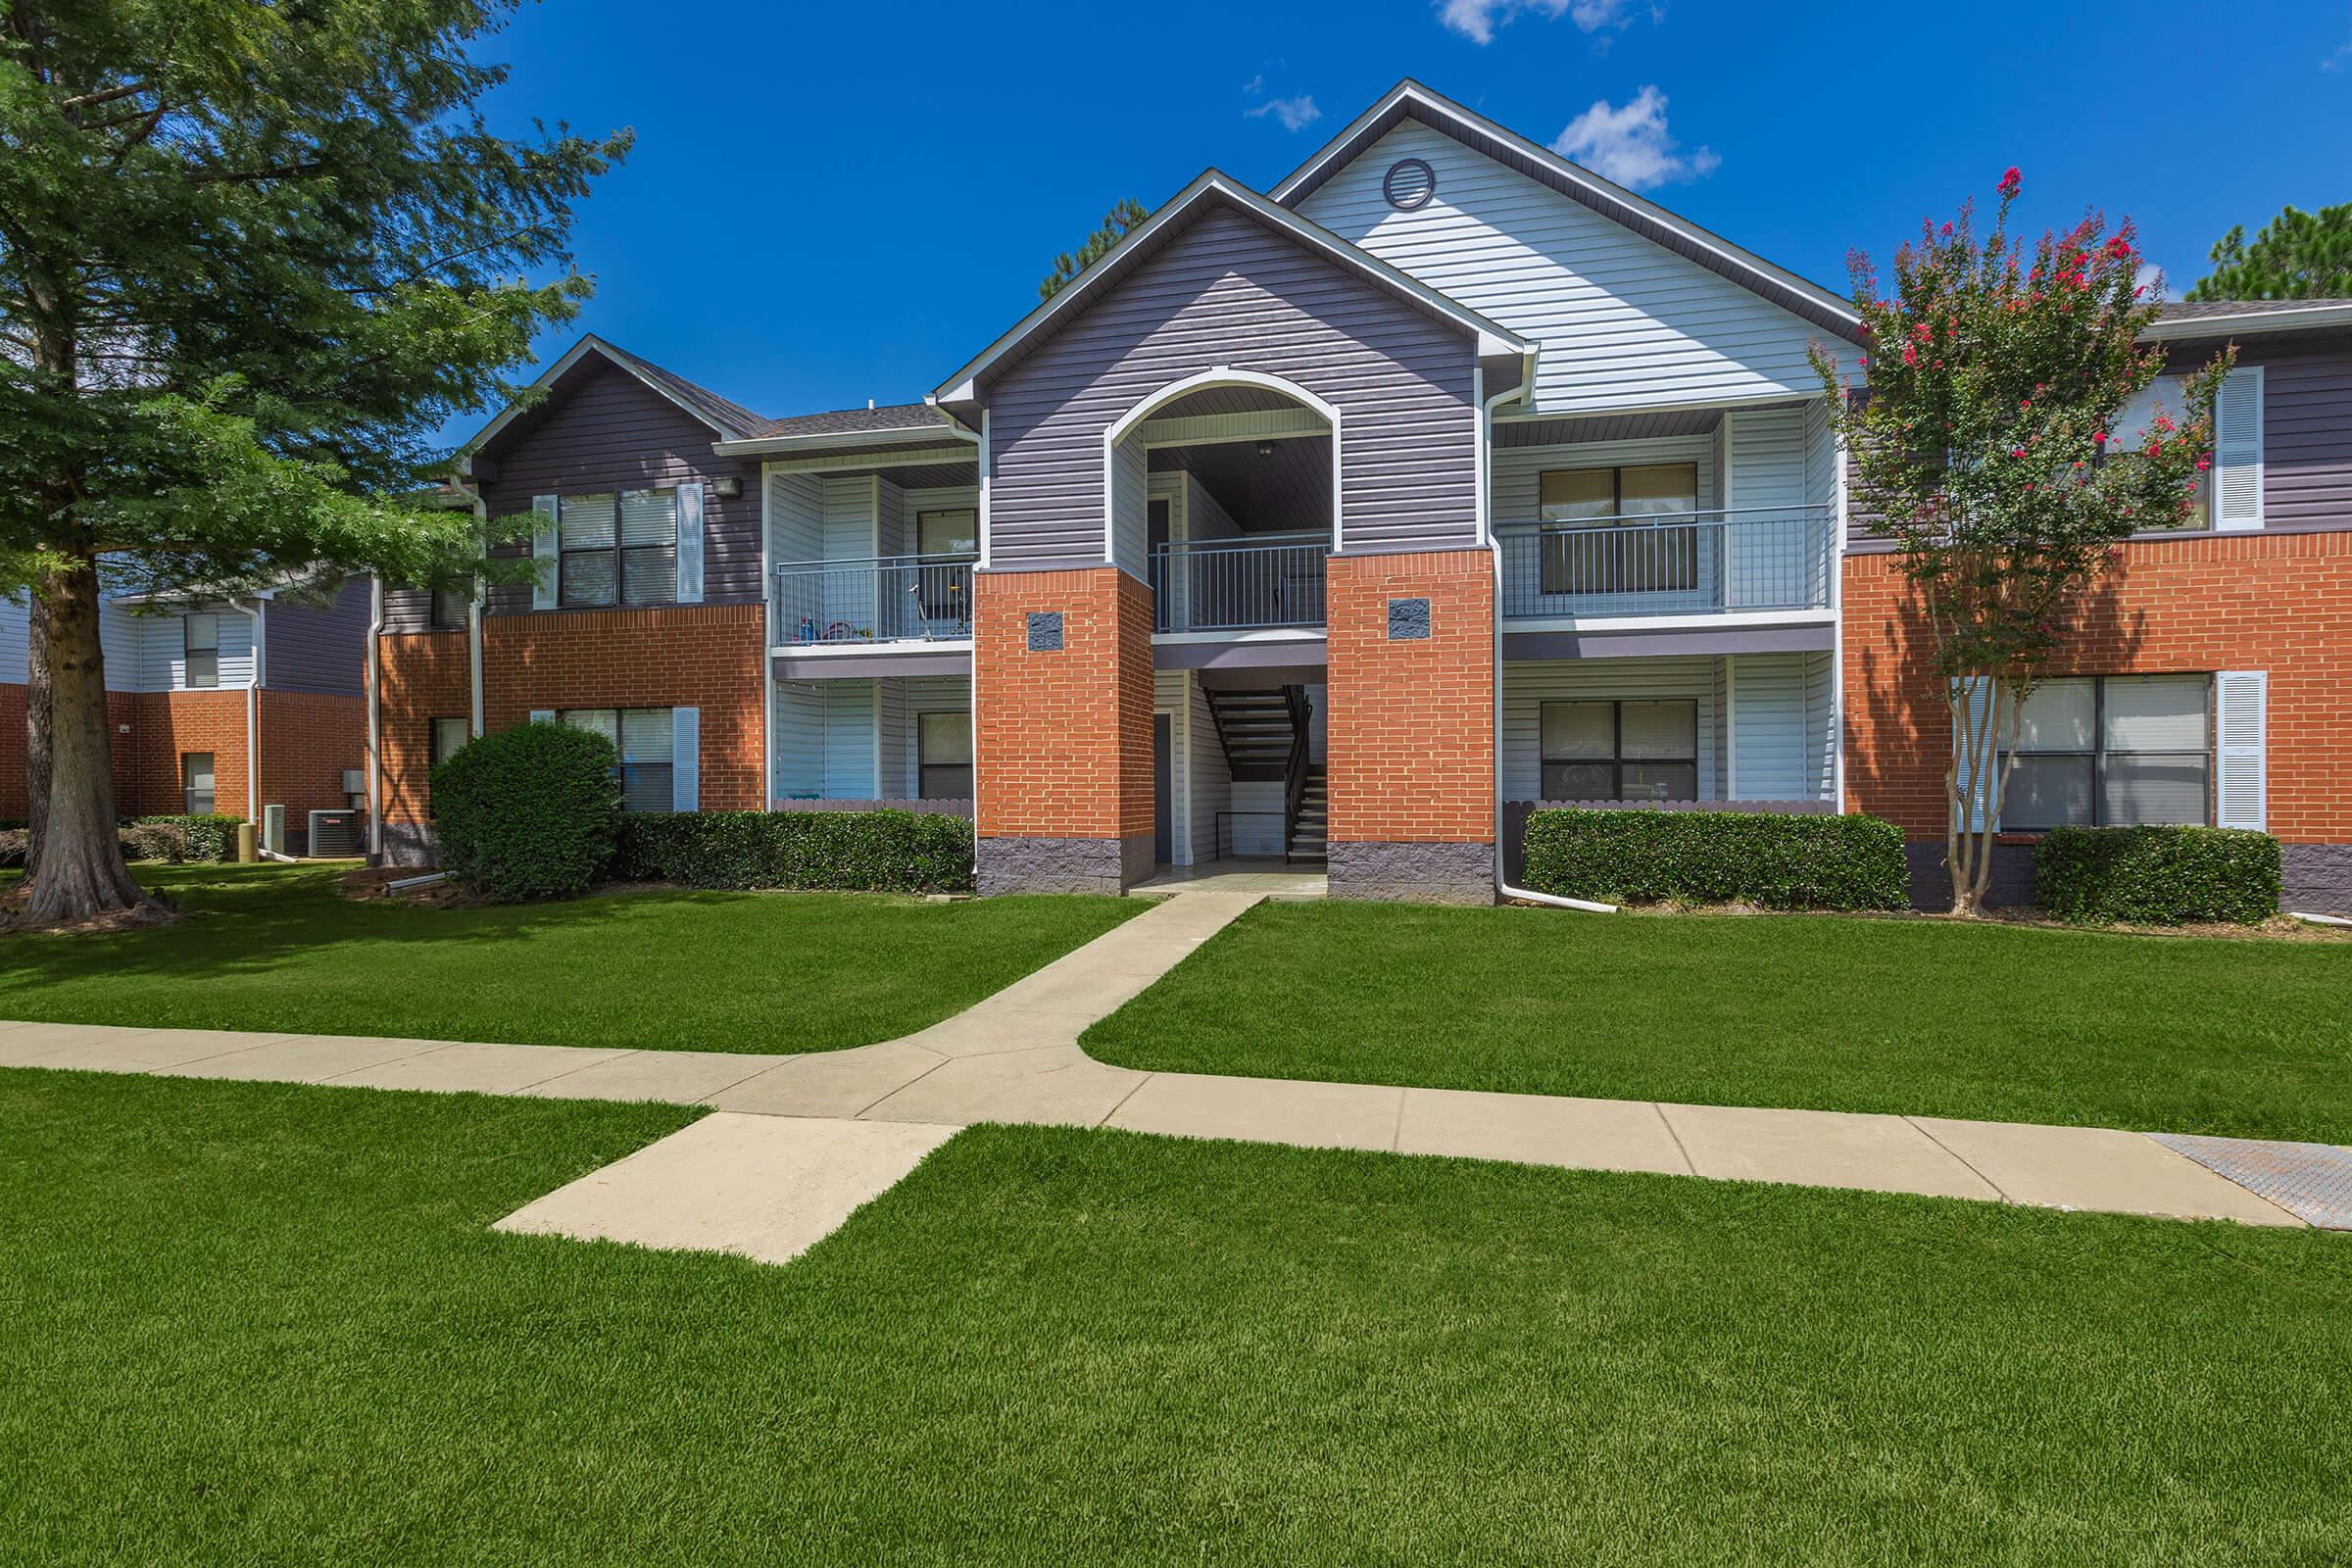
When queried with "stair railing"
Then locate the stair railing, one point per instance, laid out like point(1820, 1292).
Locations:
point(1293, 773)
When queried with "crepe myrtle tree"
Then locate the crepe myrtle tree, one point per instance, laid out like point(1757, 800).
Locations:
point(1987, 444)
point(251, 258)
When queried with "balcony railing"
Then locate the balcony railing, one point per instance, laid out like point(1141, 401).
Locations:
point(1692, 562)
point(887, 599)
point(1251, 583)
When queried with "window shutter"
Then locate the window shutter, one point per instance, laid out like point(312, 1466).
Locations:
point(2238, 451)
point(2239, 698)
point(543, 554)
point(685, 762)
point(690, 546)
point(543, 715)
point(1980, 691)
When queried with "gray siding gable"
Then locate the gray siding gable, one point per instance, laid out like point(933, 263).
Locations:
point(610, 432)
point(317, 648)
point(1228, 291)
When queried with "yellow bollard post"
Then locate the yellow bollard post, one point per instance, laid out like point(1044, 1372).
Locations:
point(249, 845)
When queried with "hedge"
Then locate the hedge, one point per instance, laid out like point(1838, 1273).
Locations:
point(2157, 875)
point(1760, 858)
point(209, 837)
point(527, 812)
point(862, 852)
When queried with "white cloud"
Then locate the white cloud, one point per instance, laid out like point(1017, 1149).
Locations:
point(2150, 277)
point(1477, 20)
point(1632, 145)
point(1256, 84)
point(1296, 113)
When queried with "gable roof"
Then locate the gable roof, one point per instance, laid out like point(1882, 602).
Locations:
point(727, 420)
point(1215, 188)
point(1409, 100)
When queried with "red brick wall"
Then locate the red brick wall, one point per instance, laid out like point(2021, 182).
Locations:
point(1064, 743)
point(422, 676)
point(1410, 742)
point(707, 656)
point(166, 725)
point(12, 751)
point(308, 740)
point(691, 656)
point(2281, 603)
point(121, 711)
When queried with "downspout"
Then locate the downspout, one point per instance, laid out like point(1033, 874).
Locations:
point(473, 629)
point(253, 715)
point(1482, 486)
point(376, 632)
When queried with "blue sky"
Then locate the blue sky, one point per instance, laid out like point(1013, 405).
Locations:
point(829, 202)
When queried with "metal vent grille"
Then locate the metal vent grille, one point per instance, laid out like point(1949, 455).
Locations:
point(1411, 182)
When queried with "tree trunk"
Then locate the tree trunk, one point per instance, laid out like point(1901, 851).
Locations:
point(36, 725)
point(83, 876)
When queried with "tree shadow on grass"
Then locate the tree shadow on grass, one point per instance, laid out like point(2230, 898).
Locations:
point(239, 919)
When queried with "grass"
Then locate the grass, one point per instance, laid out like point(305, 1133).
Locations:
point(278, 949)
point(258, 1323)
point(2006, 1023)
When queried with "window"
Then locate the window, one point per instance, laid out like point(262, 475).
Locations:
point(2114, 750)
point(948, 535)
point(450, 607)
point(196, 783)
point(2132, 425)
point(943, 755)
point(1650, 559)
point(200, 649)
point(617, 549)
point(643, 737)
point(1621, 750)
point(448, 735)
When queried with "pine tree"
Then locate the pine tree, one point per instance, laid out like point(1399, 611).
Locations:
point(2297, 256)
point(1116, 224)
point(251, 255)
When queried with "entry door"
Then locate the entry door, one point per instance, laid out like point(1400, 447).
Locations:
point(1164, 789)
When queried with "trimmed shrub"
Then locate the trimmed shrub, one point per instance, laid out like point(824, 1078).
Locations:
point(2157, 875)
point(861, 851)
point(153, 841)
point(1781, 863)
point(15, 843)
point(201, 837)
point(527, 812)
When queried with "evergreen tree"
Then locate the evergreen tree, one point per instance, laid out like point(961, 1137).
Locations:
point(1115, 225)
point(251, 255)
point(2297, 256)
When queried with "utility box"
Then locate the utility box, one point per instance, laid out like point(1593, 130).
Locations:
point(334, 835)
point(355, 781)
point(274, 829)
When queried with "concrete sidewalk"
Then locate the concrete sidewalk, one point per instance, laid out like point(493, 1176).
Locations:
point(1015, 1058)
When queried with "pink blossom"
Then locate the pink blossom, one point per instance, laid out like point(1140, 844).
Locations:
point(2010, 181)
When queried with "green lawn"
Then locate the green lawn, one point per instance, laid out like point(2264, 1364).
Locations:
point(278, 948)
point(2008, 1023)
point(259, 1323)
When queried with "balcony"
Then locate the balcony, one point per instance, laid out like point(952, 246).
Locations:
point(1256, 583)
point(1771, 560)
point(883, 600)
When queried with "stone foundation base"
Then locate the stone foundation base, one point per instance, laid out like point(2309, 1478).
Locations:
point(2318, 878)
point(409, 844)
point(1413, 873)
point(1063, 865)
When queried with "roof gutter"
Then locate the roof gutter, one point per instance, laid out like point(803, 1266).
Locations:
point(2295, 320)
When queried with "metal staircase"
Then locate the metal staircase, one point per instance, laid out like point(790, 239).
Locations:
point(1264, 734)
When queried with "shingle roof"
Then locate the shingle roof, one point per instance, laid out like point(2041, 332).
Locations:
point(2198, 309)
point(729, 417)
point(859, 422)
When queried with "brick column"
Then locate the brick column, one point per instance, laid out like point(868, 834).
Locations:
point(422, 676)
point(1061, 667)
point(1411, 744)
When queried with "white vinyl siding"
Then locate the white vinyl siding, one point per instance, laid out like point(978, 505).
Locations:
point(796, 517)
point(1820, 725)
point(848, 740)
point(1207, 777)
point(16, 658)
point(1769, 731)
point(161, 643)
point(894, 740)
point(1528, 684)
point(1766, 728)
point(798, 770)
point(1130, 507)
point(1623, 323)
point(935, 693)
point(856, 739)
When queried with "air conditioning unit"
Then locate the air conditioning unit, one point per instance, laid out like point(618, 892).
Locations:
point(334, 835)
point(274, 829)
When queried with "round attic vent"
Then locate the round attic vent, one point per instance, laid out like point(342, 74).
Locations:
point(1410, 184)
